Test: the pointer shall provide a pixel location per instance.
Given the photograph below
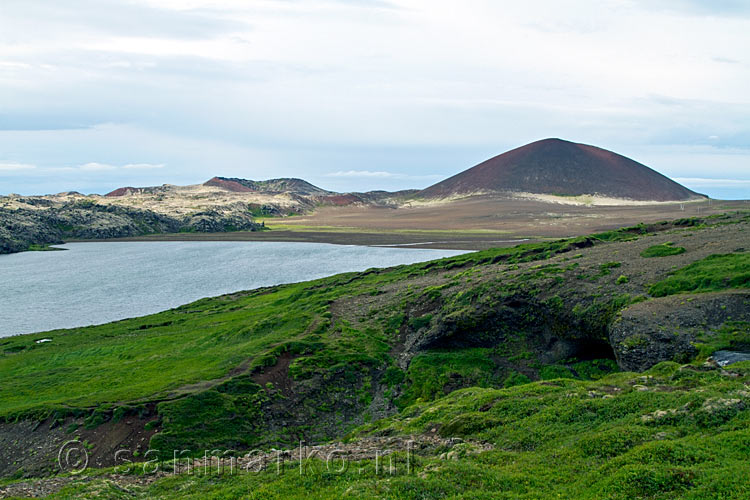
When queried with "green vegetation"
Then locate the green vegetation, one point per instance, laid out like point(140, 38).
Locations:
point(436, 373)
point(487, 338)
point(258, 211)
point(180, 359)
point(606, 268)
point(552, 372)
point(420, 322)
point(594, 369)
point(43, 248)
point(733, 335)
point(663, 250)
point(515, 379)
point(715, 272)
point(149, 356)
point(670, 433)
point(582, 370)
point(153, 356)
point(625, 436)
point(163, 356)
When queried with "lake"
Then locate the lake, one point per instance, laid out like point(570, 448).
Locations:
point(92, 283)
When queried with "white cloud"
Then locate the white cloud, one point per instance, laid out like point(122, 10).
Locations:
point(12, 166)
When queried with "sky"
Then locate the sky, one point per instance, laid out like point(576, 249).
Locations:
point(355, 95)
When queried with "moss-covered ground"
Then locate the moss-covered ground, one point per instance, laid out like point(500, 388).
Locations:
point(672, 432)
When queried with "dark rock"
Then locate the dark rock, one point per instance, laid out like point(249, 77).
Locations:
point(725, 358)
point(664, 329)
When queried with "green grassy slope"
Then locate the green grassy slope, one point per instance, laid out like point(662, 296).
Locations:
point(450, 345)
point(672, 432)
point(147, 358)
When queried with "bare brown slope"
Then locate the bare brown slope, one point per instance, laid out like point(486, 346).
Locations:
point(554, 166)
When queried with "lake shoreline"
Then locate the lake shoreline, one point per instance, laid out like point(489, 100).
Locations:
point(99, 282)
point(433, 240)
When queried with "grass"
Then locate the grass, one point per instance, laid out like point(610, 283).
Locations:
point(153, 356)
point(571, 439)
point(663, 250)
point(169, 357)
point(561, 437)
point(133, 359)
point(732, 335)
point(431, 374)
point(713, 273)
point(43, 248)
point(670, 433)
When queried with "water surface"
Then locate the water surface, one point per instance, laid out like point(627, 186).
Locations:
point(92, 283)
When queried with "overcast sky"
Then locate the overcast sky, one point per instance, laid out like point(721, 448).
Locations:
point(365, 94)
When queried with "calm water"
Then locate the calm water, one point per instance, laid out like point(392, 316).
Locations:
point(93, 283)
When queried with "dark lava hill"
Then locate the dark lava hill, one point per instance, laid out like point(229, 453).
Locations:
point(558, 167)
point(297, 186)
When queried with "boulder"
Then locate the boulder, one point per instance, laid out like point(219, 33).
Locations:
point(664, 329)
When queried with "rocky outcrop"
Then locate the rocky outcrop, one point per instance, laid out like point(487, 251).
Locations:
point(22, 227)
point(212, 221)
point(665, 329)
point(726, 358)
point(283, 185)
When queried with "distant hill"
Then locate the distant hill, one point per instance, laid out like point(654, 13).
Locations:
point(124, 191)
point(285, 185)
point(558, 167)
